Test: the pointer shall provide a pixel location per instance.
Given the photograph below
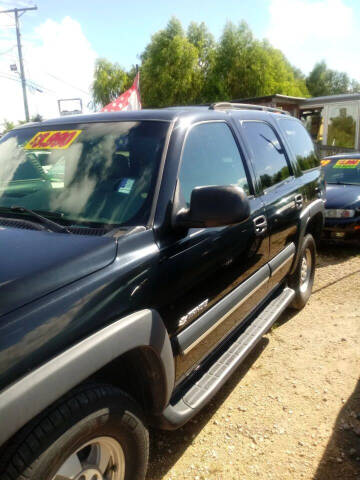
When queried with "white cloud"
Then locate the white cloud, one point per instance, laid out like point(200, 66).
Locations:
point(308, 31)
point(59, 60)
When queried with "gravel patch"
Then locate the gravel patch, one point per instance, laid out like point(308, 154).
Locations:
point(292, 409)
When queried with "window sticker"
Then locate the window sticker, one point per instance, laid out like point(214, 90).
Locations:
point(347, 163)
point(54, 140)
point(125, 185)
point(324, 162)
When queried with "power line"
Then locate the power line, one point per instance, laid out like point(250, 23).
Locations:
point(9, 77)
point(65, 82)
point(18, 12)
point(10, 16)
point(29, 83)
point(5, 52)
point(32, 84)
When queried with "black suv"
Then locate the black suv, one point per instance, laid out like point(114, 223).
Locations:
point(143, 255)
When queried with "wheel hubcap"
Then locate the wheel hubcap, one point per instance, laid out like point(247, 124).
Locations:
point(305, 272)
point(100, 459)
point(90, 474)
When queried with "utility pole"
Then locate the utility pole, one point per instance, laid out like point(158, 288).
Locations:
point(16, 11)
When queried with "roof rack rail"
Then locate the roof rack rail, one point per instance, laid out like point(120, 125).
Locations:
point(245, 106)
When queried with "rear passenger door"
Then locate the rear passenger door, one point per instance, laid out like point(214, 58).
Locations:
point(280, 191)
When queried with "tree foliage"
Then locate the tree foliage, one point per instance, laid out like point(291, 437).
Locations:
point(246, 67)
point(180, 68)
point(7, 126)
point(110, 80)
point(169, 71)
point(324, 81)
point(36, 118)
point(341, 130)
point(199, 36)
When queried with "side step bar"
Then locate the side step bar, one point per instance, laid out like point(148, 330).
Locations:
point(176, 415)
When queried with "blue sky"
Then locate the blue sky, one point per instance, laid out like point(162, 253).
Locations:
point(63, 38)
point(120, 30)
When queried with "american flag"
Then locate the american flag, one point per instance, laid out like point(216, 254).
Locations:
point(129, 100)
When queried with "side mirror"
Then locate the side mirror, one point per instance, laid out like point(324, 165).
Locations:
point(214, 206)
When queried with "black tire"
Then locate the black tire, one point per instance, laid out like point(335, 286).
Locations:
point(94, 411)
point(295, 281)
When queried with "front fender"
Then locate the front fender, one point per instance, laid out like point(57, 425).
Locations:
point(30, 395)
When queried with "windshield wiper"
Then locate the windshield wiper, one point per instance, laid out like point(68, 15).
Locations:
point(53, 226)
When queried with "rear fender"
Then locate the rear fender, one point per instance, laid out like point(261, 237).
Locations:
point(314, 209)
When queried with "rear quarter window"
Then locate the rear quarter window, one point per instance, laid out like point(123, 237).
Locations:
point(300, 143)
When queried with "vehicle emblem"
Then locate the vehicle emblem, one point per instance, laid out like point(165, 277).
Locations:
point(193, 313)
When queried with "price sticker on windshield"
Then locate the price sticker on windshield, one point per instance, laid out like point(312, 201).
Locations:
point(324, 162)
point(53, 140)
point(347, 163)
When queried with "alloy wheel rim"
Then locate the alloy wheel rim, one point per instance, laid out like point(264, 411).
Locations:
point(305, 271)
point(102, 458)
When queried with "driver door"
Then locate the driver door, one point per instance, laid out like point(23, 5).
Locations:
point(202, 266)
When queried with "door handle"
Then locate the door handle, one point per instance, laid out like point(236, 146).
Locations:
point(260, 225)
point(298, 201)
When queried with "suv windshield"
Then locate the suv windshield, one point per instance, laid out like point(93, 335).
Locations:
point(94, 173)
point(342, 171)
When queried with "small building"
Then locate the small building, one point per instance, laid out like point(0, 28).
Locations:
point(284, 102)
point(333, 121)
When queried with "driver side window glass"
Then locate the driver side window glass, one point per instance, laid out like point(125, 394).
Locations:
point(211, 157)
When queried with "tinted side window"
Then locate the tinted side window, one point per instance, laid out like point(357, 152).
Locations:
point(300, 143)
point(211, 157)
point(268, 154)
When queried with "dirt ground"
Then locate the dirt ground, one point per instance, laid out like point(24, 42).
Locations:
point(292, 410)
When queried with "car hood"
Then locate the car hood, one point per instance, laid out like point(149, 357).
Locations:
point(342, 196)
point(34, 263)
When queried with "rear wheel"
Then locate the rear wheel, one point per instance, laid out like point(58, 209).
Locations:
point(94, 434)
point(302, 279)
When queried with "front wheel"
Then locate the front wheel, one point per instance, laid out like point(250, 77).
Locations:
point(302, 279)
point(95, 433)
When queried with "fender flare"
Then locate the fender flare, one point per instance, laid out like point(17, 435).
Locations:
point(29, 396)
point(315, 207)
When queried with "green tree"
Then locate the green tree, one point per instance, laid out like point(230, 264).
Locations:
point(199, 36)
point(36, 118)
point(181, 69)
point(324, 81)
point(246, 67)
point(354, 86)
point(7, 126)
point(110, 80)
point(341, 130)
point(169, 71)
point(233, 62)
point(279, 76)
